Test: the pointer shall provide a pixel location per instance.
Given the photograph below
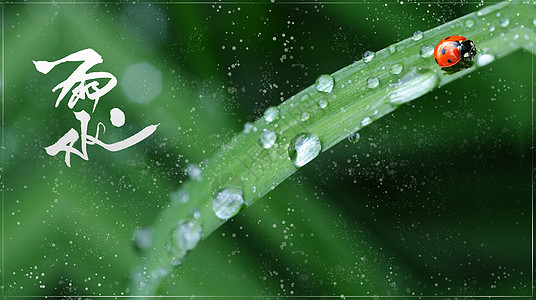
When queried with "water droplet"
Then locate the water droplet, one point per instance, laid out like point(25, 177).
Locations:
point(491, 28)
point(417, 35)
point(179, 197)
point(303, 148)
point(253, 189)
point(534, 21)
point(249, 127)
point(143, 238)
point(324, 83)
point(305, 97)
point(305, 116)
point(368, 56)
point(469, 23)
point(396, 68)
point(354, 137)
point(267, 138)
point(372, 82)
point(427, 51)
point(392, 49)
point(366, 121)
point(228, 202)
point(322, 103)
point(195, 213)
point(412, 85)
point(484, 59)
point(271, 114)
point(492, 8)
point(504, 22)
point(184, 238)
point(194, 172)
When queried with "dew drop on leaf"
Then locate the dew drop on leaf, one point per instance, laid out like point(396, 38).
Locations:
point(304, 148)
point(267, 138)
point(271, 114)
point(324, 83)
point(227, 202)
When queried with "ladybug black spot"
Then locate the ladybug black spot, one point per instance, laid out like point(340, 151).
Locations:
point(436, 60)
point(447, 38)
point(442, 51)
point(450, 61)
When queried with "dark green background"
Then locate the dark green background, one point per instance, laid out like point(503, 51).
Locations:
point(435, 199)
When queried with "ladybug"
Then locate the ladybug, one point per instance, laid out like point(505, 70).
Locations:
point(450, 50)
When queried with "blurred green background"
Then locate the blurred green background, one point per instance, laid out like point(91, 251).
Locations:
point(435, 198)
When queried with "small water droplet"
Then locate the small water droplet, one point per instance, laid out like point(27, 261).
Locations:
point(305, 116)
point(368, 56)
point(185, 236)
point(417, 35)
point(322, 103)
point(194, 172)
point(504, 22)
point(303, 148)
point(396, 68)
point(469, 23)
point(534, 21)
point(366, 121)
point(143, 238)
point(271, 114)
point(491, 28)
point(249, 127)
point(253, 189)
point(305, 97)
point(412, 85)
point(392, 49)
point(195, 213)
point(324, 83)
point(484, 59)
point(427, 51)
point(179, 197)
point(354, 137)
point(228, 202)
point(267, 138)
point(373, 82)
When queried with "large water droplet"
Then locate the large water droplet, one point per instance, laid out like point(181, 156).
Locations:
point(324, 83)
point(271, 114)
point(228, 202)
point(412, 85)
point(267, 138)
point(396, 68)
point(469, 23)
point(143, 238)
point(417, 35)
point(304, 148)
point(354, 137)
point(504, 22)
point(366, 121)
point(368, 56)
point(322, 103)
point(194, 172)
point(184, 238)
point(179, 197)
point(305, 116)
point(373, 82)
point(484, 59)
point(427, 51)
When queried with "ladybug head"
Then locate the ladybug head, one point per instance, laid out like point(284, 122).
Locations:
point(468, 49)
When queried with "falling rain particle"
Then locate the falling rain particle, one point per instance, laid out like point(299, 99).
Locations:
point(304, 148)
point(372, 82)
point(227, 202)
point(184, 238)
point(322, 103)
point(417, 35)
point(396, 68)
point(484, 59)
point(368, 56)
point(427, 51)
point(354, 137)
point(267, 138)
point(271, 114)
point(324, 83)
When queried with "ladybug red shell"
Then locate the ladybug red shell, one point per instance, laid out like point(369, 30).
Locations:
point(452, 49)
